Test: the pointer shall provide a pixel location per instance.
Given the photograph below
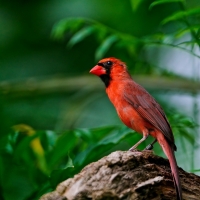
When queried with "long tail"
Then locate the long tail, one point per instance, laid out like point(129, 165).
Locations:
point(169, 152)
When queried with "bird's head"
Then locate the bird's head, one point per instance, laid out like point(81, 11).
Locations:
point(108, 69)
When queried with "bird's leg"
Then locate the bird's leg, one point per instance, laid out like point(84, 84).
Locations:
point(145, 136)
point(150, 146)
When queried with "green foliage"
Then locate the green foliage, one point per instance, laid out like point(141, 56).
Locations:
point(80, 35)
point(108, 37)
point(63, 26)
point(105, 46)
point(42, 159)
point(135, 4)
point(63, 155)
point(180, 15)
point(160, 2)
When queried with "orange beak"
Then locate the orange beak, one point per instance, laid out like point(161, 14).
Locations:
point(98, 70)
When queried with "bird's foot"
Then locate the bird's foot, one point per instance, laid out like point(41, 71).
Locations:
point(149, 147)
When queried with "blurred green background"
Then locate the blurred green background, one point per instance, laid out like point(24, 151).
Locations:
point(55, 116)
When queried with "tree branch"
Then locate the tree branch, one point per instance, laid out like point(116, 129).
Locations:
point(126, 175)
point(38, 86)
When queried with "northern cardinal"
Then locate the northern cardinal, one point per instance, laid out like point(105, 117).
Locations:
point(138, 110)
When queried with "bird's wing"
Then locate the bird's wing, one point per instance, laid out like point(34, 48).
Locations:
point(148, 108)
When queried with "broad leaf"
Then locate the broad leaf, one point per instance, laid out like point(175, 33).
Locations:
point(62, 147)
point(181, 14)
point(80, 35)
point(135, 4)
point(104, 47)
point(96, 151)
point(71, 24)
point(159, 2)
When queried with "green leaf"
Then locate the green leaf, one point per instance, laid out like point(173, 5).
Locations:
point(185, 30)
point(135, 4)
point(24, 145)
point(91, 136)
point(181, 14)
point(60, 28)
point(80, 35)
point(62, 148)
point(69, 162)
point(159, 2)
point(48, 139)
point(104, 47)
point(195, 170)
point(184, 133)
point(101, 31)
point(60, 175)
point(116, 136)
point(96, 151)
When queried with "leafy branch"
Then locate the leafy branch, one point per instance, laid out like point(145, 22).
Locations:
point(104, 34)
point(80, 28)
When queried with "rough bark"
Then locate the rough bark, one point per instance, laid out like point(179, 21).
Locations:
point(128, 176)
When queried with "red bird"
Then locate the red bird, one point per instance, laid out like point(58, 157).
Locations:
point(138, 110)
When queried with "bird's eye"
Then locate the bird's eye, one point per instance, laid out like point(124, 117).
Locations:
point(109, 63)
